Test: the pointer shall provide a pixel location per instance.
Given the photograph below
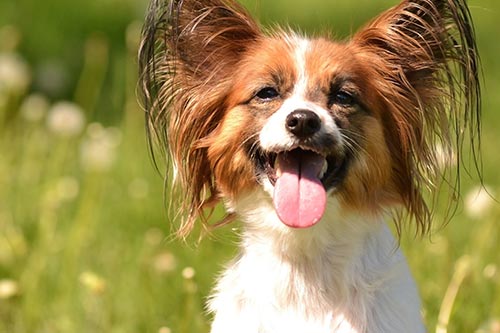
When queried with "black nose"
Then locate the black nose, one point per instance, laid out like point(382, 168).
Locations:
point(303, 123)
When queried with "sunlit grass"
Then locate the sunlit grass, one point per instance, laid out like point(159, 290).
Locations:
point(85, 239)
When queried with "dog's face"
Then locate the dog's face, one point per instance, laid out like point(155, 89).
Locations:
point(304, 120)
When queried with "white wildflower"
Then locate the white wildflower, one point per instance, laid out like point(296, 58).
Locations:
point(8, 289)
point(164, 262)
point(34, 107)
point(98, 150)
point(98, 131)
point(164, 330)
point(188, 273)
point(478, 202)
point(490, 271)
point(66, 119)
point(15, 75)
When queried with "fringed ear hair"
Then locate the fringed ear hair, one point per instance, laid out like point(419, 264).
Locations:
point(425, 56)
point(188, 54)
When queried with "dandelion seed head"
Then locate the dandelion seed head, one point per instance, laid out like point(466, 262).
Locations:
point(490, 271)
point(15, 75)
point(96, 156)
point(8, 289)
point(164, 262)
point(478, 202)
point(95, 130)
point(112, 135)
point(66, 119)
point(188, 273)
point(98, 150)
point(164, 330)
point(34, 108)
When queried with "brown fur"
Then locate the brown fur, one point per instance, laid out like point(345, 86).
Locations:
point(416, 67)
point(189, 50)
point(426, 55)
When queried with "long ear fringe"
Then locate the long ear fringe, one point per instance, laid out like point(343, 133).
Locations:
point(187, 52)
point(426, 54)
point(424, 50)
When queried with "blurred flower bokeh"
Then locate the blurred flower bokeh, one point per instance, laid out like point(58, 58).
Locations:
point(84, 232)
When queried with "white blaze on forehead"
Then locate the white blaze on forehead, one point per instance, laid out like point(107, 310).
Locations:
point(301, 47)
point(274, 136)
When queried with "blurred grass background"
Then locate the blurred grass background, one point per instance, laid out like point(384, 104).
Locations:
point(84, 236)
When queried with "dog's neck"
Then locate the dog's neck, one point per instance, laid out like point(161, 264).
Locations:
point(339, 246)
point(330, 270)
point(339, 236)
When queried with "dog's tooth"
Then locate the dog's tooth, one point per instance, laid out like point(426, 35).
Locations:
point(323, 170)
point(277, 168)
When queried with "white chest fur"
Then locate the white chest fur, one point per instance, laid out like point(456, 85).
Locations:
point(345, 275)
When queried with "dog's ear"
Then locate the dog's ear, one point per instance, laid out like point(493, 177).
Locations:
point(202, 37)
point(209, 36)
point(425, 62)
point(187, 60)
point(423, 36)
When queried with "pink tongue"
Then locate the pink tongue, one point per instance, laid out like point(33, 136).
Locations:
point(299, 196)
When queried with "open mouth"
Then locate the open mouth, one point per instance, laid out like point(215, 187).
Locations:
point(332, 172)
point(301, 179)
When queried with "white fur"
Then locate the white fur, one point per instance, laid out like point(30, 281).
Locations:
point(274, 135)
point(345, 274)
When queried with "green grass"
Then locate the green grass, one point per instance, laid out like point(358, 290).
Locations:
point(85, 242)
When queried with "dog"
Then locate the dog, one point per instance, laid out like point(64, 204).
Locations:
point(313, 144)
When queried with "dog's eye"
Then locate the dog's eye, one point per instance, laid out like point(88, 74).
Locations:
point(267, 93)
point(342, 98)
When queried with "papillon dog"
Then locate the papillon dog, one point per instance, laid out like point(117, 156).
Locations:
point(313, 144)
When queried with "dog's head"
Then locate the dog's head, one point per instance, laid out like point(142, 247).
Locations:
point(371, 121)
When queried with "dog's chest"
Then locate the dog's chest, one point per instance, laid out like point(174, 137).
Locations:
point(340, 292)
point(305, 296)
